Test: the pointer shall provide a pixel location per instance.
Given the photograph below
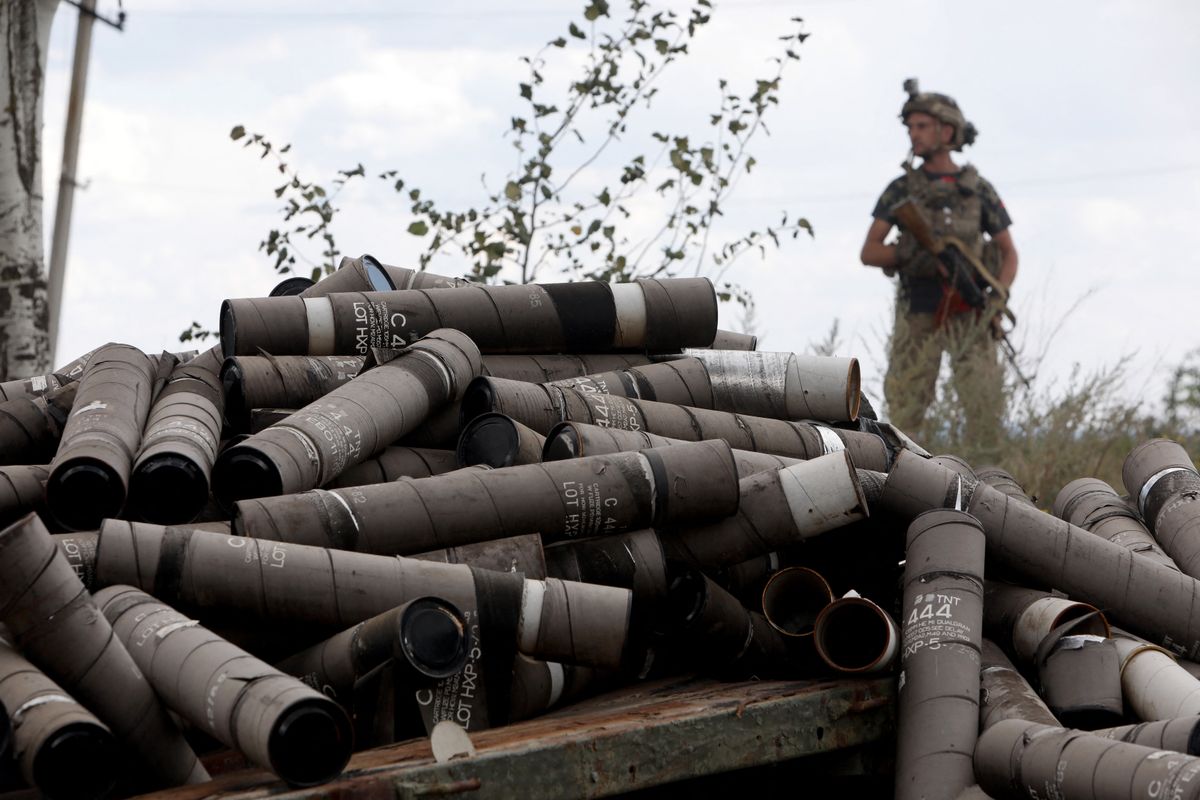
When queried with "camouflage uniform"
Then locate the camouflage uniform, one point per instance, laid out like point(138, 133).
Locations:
point(931, 319)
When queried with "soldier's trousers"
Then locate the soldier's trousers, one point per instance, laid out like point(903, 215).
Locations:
point(915, 360)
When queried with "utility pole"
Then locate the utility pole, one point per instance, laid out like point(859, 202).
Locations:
point(70, 160)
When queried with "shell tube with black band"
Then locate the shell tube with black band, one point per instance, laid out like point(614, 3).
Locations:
point(854, 636)
point(776, 509)
point(942, 609)
point(89, 476)
point(31, 427)
point(1148, 598)
point(170, 476)
point(252, 382)
point(58, 628)
point(1161, 476)
point(575, 439)
point(541, 407)
point(275, 720)
point(288, 583)
point(712, 632)
point(498, 441)
point(1094, 506)
point(1019, 759)
point(650, 315)
point(59, 746)
point(1004, 693)
point(1181, 735)
point(1155, 687)
point(349, 424)
point(397, 462)
point(22, 489)
point(1021, 618)
point(761, 384)
point(561, 500)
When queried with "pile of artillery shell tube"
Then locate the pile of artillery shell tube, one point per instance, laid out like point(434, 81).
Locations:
point(392, 499)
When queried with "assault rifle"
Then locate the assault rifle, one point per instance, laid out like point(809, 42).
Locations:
point(959, 268)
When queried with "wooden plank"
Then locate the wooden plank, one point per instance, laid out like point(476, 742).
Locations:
point(634, 738)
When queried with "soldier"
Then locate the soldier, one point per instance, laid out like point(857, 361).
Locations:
point(931, 317)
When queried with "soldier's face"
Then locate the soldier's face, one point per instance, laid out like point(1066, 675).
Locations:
point(926, 134)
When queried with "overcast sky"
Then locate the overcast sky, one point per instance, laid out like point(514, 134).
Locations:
point(1088, 115)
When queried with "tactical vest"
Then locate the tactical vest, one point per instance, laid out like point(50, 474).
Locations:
point(953, 208)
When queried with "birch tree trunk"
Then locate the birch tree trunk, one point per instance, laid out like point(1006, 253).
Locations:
point(25, 33)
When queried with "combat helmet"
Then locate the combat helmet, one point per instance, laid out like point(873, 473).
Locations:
point(942, 108)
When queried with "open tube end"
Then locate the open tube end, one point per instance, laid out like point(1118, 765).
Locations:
point(852, 636)
point(242, 473)
point(310, 743)
point(290, 286)
point(478, 398)
point(233, 383)
point(168, 489)
point(490, 439)
point(793, 598)
point(228, 329)
point(433, 635)
point(83, 492)
point(562, 443)
point(78, 761)
point(380, 280)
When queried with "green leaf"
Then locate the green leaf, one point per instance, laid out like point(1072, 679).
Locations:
point(237, 132)
point(576, 32)
point(526, 91)
point(595, 9)
point(559, 42)
point(418, 228)
point(512, 191)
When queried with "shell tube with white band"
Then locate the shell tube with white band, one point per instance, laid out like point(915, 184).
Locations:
point(575, 439)
point(498, 441)
point(1159, 603)
point(561, 500)
point(90, 473)
point(1094, 506)
point(59, 746)
point(1004, 693)
point(58, 628)
point(1161, 475)
point(783, 385)
point(855, 636)
point(275, 720)
point(1019, 759)
point(1156, 687)
point(31, 427)
point(650, 315)
point(776, 509)
point(274, 582)
point(349, 424)
point(542, 406)
point(169, 483)
point(1180, 735)
point(252, 382)
point(1013, 615)
point(942, 614)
